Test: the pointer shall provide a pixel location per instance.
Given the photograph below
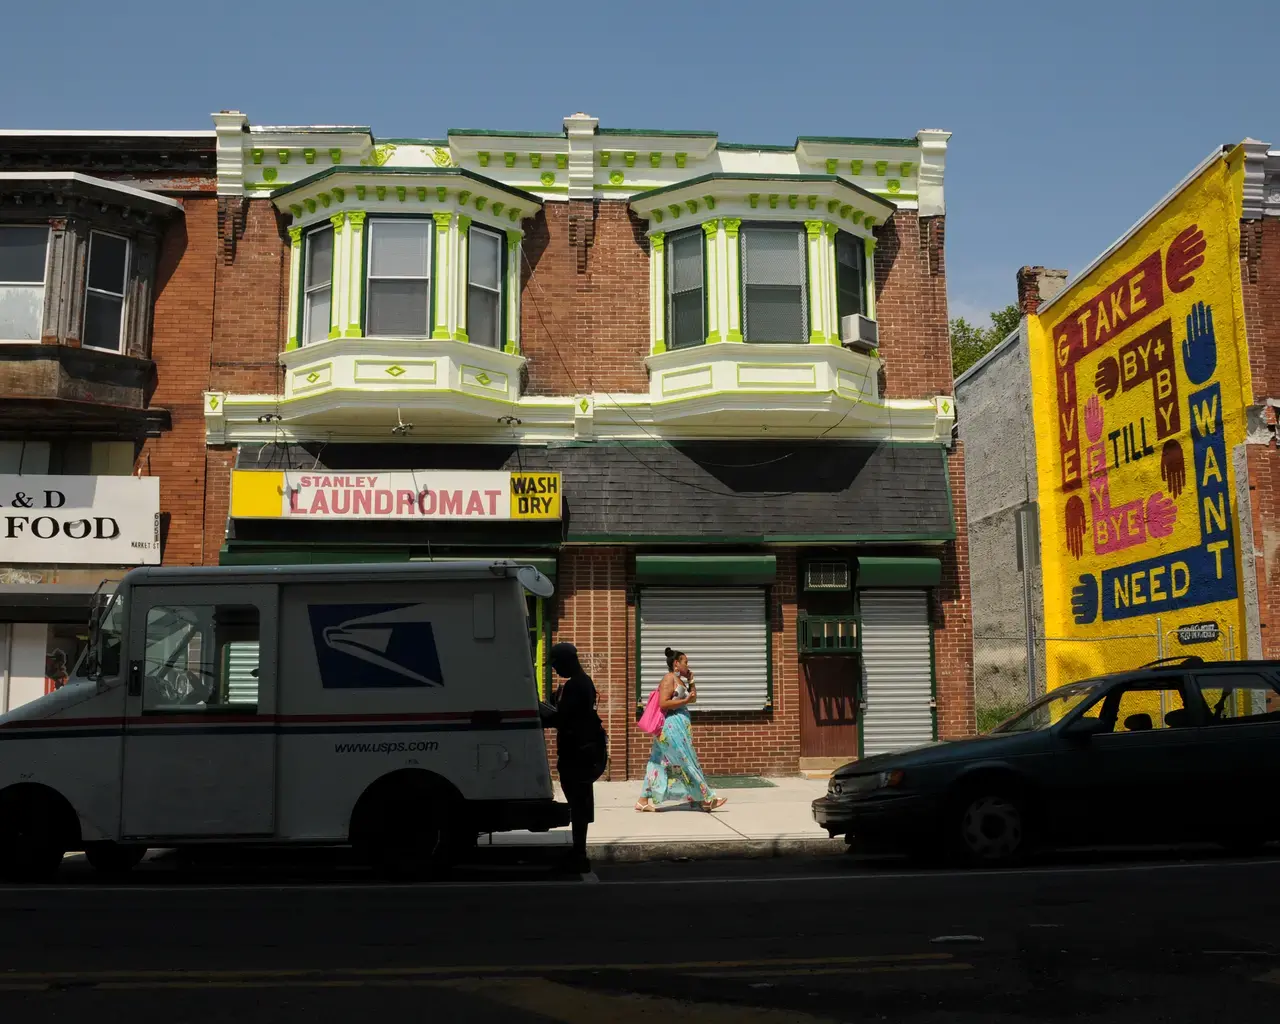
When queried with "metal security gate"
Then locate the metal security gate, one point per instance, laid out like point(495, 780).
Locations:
point(897, 665)
point(725, 633)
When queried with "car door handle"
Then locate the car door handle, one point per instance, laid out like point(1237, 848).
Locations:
point(135, 679)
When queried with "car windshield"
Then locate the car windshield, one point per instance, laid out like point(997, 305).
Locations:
point(1051, 708)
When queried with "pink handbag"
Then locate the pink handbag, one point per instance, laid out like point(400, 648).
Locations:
point(652, 720)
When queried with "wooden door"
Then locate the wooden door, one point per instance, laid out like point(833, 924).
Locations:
point(829, 710)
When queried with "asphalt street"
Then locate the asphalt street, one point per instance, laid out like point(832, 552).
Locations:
point(1165, 937)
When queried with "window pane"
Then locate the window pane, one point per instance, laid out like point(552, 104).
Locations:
point(851, 294)
point(483, 320)
point(1139, 710)
point(686, 319)
point(486, 259)
point(200, 656)
point(108, 257)
point(1238, 696)
point(400, 248)
point(773, 255)
point(686, 262)
point(21, 312)
point(318, 315)
point(102, 321)
point(319, 257)
point(398, 308)
point(775, 314)
point(22, 254)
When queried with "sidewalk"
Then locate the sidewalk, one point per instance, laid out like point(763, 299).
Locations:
point(771, 821)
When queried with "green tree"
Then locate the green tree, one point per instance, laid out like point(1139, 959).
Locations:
point(969, 342)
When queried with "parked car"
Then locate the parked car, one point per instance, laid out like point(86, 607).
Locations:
point(1180, 750)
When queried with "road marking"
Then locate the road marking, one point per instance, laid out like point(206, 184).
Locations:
point(873, 878)
point(355, 974)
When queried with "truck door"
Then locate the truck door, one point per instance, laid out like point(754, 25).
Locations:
point(199, 748)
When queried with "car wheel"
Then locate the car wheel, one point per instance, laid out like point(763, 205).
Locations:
point(114, 859)
point(990, 829)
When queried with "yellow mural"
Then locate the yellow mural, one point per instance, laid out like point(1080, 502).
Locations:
point(1140, 384)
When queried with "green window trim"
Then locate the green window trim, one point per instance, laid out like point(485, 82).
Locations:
point(707, 570)
point(898, 572)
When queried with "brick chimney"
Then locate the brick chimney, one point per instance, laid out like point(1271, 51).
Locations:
point(1037, 285)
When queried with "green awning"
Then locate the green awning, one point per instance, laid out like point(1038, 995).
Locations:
point(704, 570)
point(899, 572)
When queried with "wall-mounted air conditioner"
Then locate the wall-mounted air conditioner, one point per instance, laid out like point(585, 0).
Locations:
point(859, 333)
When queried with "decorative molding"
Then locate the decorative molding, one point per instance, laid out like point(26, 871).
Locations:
point(535, 159)
point(335, 155)
point(309, 155)
point(230, 135)
point(855, 167)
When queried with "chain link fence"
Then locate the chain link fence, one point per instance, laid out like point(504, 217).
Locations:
point(1002, 683)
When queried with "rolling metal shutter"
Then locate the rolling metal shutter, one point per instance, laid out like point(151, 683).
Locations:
point(242, 660)
point(725, 633)
point(897, 665)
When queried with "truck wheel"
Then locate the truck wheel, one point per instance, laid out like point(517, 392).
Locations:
point(411, 843)
point(29, 846)
point(114, 859)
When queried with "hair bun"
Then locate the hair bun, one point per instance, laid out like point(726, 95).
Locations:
point(669, 653)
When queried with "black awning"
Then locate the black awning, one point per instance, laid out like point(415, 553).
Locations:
point(47, 602)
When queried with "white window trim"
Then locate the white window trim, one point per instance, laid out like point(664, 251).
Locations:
point(501, 239)
point(304, 337)
point(669, 278)
point(123, 296)
point(44, 285)
point(370, 233)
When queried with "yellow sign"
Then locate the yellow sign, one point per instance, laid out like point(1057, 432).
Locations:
point(1140, 383)
point(374, 494)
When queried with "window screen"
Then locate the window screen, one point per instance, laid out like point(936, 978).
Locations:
point(773, 284)
point(399, 294)
point(317, 285)
point(23, 252)
point(685, 304)
point(484, 288)
point(851, 275)
point(104, 295)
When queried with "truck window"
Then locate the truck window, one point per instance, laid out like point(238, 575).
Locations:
point(201, 656)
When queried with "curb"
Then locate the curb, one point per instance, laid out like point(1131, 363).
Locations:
point(735, 849)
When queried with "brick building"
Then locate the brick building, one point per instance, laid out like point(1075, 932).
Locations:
point(619, 354)
point(106, 279)
point(1159, 539)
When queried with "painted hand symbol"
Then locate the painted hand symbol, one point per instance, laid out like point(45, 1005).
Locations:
point(1173, 468)
point(1107, 378)
point(1093, 419)
point(1076, 525)
point(1185, 256)
point(1200, 349)
point(1162, 513)
point(1084, 600)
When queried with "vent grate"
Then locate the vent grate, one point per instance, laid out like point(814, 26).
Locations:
point(826, 576)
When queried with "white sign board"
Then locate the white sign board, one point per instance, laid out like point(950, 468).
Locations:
point(80, 520)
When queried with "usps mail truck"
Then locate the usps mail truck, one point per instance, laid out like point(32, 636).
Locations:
point(390, 707)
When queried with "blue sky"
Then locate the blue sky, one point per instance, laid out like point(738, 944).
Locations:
point(1070, 120)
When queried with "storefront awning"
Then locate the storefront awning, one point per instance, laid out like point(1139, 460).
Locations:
point(742, 570)
point(899, 572)
point(47, 602)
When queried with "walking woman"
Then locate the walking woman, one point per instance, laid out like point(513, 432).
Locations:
point(582, 746)
point(673, 770)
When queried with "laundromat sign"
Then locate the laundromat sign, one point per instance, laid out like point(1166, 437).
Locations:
point(80, 520)
point(416, 494)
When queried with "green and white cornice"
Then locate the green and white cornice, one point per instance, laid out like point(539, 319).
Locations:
point(782, 197)
point(395, 190)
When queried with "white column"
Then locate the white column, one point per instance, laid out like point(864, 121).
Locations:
point(341, 276)
point(295, 284)
point(831, 304)
point(658, 291)
point(463, 265)
point(733, 278)
point(712, 275)
point(817, 320)
point(355, 302)
point(514, 253)
point(442, 280)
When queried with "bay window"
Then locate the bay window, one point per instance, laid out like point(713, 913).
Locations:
point(104, 292)
point(774, 275)
point(851, 275)
point(686, 306)
point(317, 285)
point(23, 257)
point(484, 288)
point(398, 302)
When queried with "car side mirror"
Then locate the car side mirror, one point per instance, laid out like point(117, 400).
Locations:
point(1084, 729)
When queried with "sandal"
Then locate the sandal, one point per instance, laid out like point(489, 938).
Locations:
point(645, 806)
point(715, 804)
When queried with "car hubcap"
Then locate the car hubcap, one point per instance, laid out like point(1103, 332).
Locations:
point(992, 828)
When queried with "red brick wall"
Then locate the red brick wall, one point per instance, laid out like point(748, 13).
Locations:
point(953, 620)
point(1264, 496)
point(1260, 280)
point(911, 306)
point(584, 315)
point(181, 337)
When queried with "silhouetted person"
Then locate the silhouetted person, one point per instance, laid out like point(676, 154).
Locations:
point(581, 745)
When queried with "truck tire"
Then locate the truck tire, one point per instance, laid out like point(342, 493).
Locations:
point(411, 844)
point(30, 845)
point(112, 859)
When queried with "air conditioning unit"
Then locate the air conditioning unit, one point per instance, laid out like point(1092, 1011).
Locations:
point(859, 333)
point(826, 576)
